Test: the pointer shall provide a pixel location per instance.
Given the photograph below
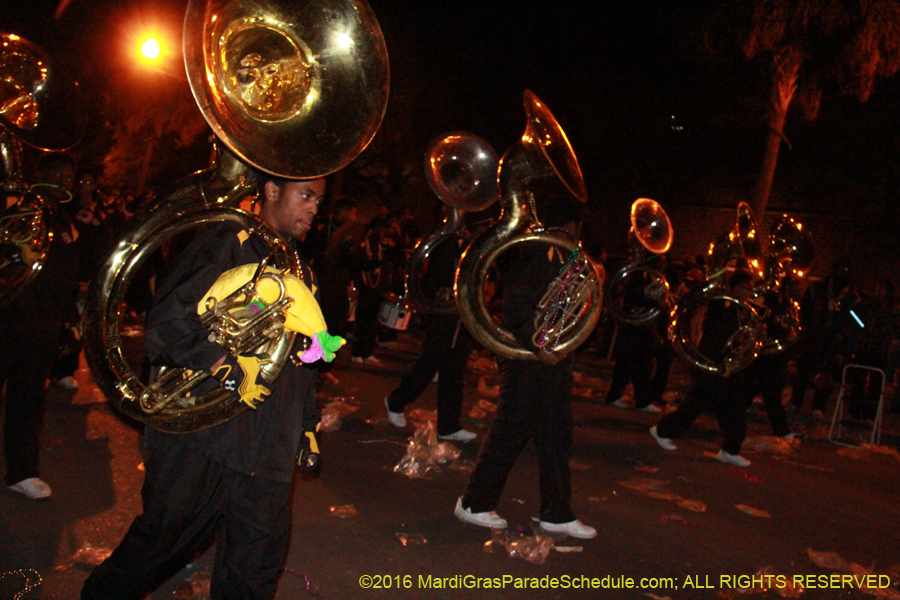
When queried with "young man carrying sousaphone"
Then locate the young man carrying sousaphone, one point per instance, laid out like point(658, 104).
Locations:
point(222, 468)
point(535, 398)
point(231, 481)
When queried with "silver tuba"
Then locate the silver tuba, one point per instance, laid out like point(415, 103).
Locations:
point(297, 90)
point(41, 107)
point(461, 169)
point(651, 231)
point(739, 245)
point(543, 153)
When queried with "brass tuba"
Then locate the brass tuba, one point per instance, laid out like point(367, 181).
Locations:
point(297, 90)
point(651, 231)
point(741, 245)
point(39, 106)
point(461, 169)
point(543, 153)
point(789, 257)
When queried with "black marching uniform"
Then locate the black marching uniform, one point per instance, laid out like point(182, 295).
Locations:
point(723, 394)
point(231, 481)
point(29, 345)
point(535, 401)
point(767, 374)
point(634, 350)
point(445, 349)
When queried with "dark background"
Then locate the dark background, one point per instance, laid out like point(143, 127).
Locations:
point(646, 111)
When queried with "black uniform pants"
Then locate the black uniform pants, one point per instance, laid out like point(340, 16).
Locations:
point(535, 403)
point(815, 354)
point(710, 391)
point(367, 307)
point(26, 356)
point(664, 356)
point(634, 362)
point(189, 499)
point(766, 376)
point(445, 351)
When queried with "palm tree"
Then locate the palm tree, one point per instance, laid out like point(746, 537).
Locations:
point(803, 44)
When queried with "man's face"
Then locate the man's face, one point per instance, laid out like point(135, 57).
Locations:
point(62, 176)
point(742, 291)
point(291, 209)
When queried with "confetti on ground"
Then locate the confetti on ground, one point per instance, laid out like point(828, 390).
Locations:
point(753, 512)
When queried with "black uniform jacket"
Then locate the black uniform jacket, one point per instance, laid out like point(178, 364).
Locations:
point(261, 442)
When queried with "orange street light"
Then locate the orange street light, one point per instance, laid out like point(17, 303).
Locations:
point(150, 49)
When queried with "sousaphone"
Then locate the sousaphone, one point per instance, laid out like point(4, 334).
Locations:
point(40, 106)
point(637, 293)
point(789, 257)
point(570, 307)
point(461, 169)
point(738, 248)
point(296, 89)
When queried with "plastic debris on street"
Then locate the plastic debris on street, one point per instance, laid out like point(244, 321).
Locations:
point(411, 539)
point(343, 511)
point(334, 413)
point(424, 453)
point(519, 544)
point(753, 512)
point(87, 555)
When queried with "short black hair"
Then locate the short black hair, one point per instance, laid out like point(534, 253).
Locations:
point(87, 170)
point(262, 178)
point(739, 277)
point(562, 209)
point(51, 160)
point(344, 203)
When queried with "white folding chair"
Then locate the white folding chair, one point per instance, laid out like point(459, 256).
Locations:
point(836, 420)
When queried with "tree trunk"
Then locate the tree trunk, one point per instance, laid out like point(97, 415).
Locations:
point(782, 93)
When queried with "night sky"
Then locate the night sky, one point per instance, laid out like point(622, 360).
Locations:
point(646, 114)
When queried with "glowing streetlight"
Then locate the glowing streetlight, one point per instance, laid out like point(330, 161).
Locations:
point(150, 49)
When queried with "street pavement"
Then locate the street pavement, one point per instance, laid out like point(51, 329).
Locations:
point(676, 525)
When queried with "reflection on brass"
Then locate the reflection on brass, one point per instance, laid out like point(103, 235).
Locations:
point(23, 72)
point(39, 104)
point(293, 88)
point(272, 76)
point(24, 244)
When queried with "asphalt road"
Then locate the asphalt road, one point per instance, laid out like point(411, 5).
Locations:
point(672, 524)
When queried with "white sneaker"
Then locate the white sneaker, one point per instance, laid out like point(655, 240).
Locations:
point(66, 383)
point(463, 435)
point(34, 488)
point(732, 459)
point(620, 404)
point(396, 419)
point(482, 519)
point(358, 360)
point(651, 408)
point(372, 360)
point(575, 529)
point(664, 443)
